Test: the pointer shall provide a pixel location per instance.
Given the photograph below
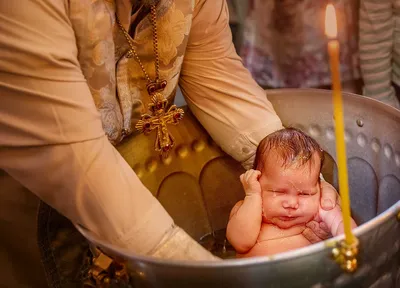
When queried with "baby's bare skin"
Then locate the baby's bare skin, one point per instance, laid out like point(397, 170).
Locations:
point(278, 205)
point(273, 240)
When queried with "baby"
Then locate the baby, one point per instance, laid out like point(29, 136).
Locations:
point(282, 198)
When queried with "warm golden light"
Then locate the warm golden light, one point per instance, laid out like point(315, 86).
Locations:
point(330, 21)
point(334, 56)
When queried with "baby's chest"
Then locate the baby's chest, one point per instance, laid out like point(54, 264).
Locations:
point(272, 241)
point(271, 232)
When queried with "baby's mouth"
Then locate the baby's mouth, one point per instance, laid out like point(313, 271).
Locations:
point(287, 218)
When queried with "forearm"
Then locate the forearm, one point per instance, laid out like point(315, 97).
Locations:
point(218, 88)
point(244, 226)
point(92, 185)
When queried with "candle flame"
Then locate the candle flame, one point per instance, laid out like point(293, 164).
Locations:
point(330, 21)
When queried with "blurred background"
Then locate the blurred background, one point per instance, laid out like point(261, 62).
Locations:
point(283, 44)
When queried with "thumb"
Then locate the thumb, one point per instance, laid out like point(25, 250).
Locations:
point(332, 218)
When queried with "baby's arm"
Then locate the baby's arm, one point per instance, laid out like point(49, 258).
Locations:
point(246, 216)
point(334, 220)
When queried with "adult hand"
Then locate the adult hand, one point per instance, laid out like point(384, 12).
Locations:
point(317, 230)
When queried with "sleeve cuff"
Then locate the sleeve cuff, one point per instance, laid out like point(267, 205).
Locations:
point(245, 146)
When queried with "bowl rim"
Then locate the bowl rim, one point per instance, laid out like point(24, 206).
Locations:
point(259, 260)
point(232, 263)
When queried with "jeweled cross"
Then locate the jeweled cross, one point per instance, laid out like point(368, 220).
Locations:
point(158, 120)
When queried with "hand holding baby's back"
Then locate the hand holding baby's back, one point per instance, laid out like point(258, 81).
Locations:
point(333, 220)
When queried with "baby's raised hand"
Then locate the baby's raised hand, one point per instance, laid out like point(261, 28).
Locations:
point(250, 182)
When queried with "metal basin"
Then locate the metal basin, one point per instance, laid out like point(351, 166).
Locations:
point(373, 151)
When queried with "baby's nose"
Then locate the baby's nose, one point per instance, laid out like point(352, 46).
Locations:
point(291, 202)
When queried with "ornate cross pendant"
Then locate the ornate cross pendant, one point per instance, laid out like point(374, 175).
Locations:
point(159, 118)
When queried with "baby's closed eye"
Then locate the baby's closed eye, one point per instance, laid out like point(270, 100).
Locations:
point(308, 193)
point(305, 193)
point(276, 191)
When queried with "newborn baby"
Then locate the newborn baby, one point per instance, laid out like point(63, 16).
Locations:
point(282, 198)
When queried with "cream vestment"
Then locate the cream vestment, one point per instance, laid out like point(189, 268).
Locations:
point(67, 82)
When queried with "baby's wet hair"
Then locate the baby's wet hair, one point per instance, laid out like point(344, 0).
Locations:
point(293, 146)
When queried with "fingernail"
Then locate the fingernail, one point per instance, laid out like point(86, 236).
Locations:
point(328, 204)
point(313, 226)
point(323, 226)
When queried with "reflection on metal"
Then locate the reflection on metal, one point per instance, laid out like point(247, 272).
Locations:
point(199, 185)
point(106, 271)
point(217, 244)
point(346, 255)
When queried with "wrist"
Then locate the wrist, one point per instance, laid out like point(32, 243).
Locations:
point(253, 195)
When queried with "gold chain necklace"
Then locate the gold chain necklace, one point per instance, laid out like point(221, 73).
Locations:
point(160, 116)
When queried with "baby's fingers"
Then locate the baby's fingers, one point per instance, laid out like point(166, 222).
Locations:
point(252, 175)
point(247, 175)
point(242, 179)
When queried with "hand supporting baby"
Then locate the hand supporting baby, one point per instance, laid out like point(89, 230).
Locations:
point(287, 206)
point(332, 220)
point(316, 230)
point(249, 216)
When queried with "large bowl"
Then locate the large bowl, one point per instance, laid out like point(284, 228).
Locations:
point(373, 152)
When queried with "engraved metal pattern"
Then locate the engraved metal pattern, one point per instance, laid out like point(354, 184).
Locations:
point(210, 177)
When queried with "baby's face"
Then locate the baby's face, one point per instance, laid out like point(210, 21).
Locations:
point(291, 195)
